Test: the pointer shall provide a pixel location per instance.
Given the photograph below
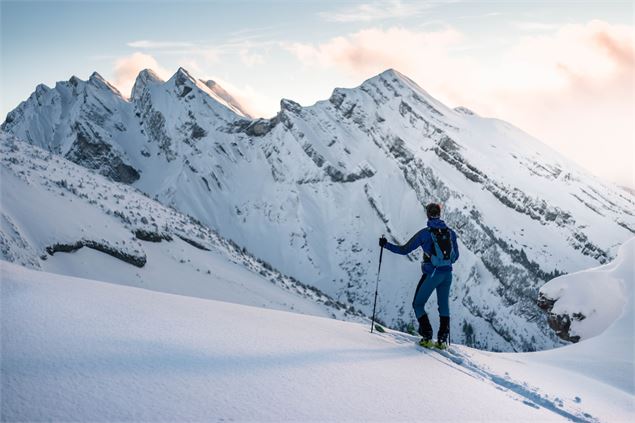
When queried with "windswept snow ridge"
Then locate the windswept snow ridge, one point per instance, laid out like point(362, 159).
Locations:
point(311, 189)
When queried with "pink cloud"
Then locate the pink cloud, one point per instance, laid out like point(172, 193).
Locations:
point(374, 50)
point(127, 68)
point(576, 94)
point(621, 50)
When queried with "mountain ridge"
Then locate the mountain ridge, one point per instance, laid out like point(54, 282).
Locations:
point(320, 183)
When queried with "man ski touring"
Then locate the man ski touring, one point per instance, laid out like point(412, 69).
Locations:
point(440, 250)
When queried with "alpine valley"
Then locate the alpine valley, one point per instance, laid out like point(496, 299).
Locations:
point(308, 192)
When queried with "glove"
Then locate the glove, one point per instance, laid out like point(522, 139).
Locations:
point(382, 241)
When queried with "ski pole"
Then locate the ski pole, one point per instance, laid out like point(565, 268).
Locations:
point(381, 253)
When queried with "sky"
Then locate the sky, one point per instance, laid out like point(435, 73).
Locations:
point(563, 71)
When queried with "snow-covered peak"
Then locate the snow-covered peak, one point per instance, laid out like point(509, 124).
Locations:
point(183, 83)
point(290, 105)
point(145, 78)
point(99, 82)
point(41, 89)
point(397, 91)
point(181, 77)
point(96, 78)
point(392, 74)
point(74, 80)
point(183, 86)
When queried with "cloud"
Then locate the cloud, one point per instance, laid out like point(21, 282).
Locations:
point(618, 46)
point(547, 83)
point(574, 89)
point(536, 26)
point(376, 11)
point(208, 53)
point(373, 50)
point(148, 44)
point(127, 68)
point(251, 59)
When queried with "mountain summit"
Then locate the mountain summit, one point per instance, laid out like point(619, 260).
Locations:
point(311, 189)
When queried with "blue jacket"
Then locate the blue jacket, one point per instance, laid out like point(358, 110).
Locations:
point(423, 239)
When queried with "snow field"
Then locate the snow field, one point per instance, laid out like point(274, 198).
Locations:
point(81, 350)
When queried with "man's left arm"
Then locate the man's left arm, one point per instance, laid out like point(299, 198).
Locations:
point(455, 246)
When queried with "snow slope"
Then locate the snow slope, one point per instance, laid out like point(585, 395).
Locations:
point(79, 350)
point(60, 217)
point(311, 189)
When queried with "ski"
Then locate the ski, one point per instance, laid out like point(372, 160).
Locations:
point(431, 345)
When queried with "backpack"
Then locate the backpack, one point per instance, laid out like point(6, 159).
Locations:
point(442, 252)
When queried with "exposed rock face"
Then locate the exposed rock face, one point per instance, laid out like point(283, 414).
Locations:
point(260, 127)
point(560, 323)
point(321, 183)
point(135, 260)
point(90, 151)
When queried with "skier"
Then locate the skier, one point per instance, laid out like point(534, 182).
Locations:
point(440, 250)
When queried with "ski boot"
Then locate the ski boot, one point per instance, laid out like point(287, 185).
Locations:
point(425, 330)
point(444, 333)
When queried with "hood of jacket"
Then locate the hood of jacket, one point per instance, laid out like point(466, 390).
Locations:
point(436, 223)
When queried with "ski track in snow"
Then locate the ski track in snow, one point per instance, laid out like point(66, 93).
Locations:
point(460, 361)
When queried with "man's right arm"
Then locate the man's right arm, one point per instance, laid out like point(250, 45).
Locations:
point(408, 247)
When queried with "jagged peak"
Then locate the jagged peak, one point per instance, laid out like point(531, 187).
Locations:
point(74, 80)
point(181, 76)
point(394, 75)
point(41, 89)
point(144, 78)
point(95, 80)
point(290, 105)
point(395, 83)
point(96, 77)
point(148, 75)
point(98, 81)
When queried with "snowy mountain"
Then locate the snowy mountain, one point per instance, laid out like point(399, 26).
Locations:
point(310, 190)
point(79, 350)
point(59, 217)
